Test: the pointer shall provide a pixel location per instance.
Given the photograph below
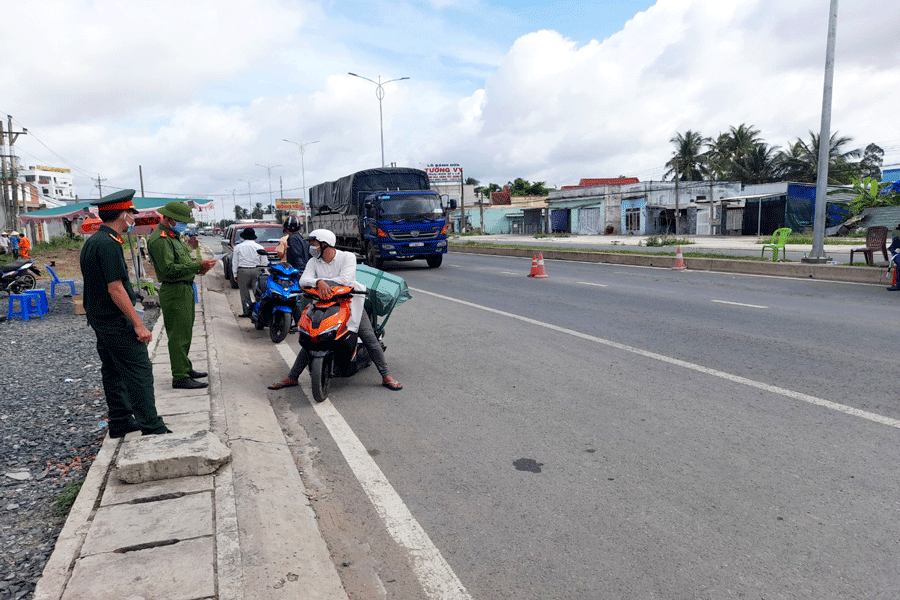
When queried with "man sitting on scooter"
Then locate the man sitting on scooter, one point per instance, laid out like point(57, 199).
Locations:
point(329, 264)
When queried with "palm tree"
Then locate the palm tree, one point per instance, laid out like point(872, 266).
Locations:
point(801, 162)
point(727, 153)
point(759, 164)
point(688, 163)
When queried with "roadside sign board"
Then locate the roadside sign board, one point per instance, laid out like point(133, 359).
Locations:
point(444, 172)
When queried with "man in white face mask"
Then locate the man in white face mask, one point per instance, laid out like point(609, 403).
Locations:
point(330, 266)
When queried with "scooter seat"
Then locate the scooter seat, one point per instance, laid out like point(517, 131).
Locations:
point(13, 266)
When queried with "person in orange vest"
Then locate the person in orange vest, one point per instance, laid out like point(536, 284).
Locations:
point(24, 246)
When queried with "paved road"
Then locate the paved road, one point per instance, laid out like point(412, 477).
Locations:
point(617, 432)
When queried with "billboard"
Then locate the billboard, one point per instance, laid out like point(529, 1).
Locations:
point(289, 204)
point(444, 172)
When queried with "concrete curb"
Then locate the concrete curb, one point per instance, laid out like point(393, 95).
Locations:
point(875, 276)
point(58, 569)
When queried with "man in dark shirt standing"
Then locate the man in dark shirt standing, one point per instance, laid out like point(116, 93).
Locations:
point(122, 337)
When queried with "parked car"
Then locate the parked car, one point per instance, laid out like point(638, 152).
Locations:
point(267, 235)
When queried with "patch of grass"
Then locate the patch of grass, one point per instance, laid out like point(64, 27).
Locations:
point(807, 239)
point(665, 240)
point(63, 503)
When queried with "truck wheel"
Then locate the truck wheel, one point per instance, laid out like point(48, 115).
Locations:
point(278, 328)
point(372, 258)
point(321, 378)
point(435, 260)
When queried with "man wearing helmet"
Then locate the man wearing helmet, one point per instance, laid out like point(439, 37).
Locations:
point(330, 266)
point(293, 248)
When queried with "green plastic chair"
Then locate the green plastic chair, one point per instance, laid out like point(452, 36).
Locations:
point(779, 238)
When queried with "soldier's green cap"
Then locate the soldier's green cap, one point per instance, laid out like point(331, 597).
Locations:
point(178, 211)
point(120, 200)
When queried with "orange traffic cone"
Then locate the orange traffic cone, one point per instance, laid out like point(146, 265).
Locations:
point(540, 273)
point(679, 261)
point(533, 265)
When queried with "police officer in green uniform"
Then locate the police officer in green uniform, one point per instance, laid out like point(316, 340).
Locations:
point(175, 270)
point(122, 337)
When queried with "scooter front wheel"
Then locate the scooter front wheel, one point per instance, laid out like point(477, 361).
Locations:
point(321, 378)
point(278, 328)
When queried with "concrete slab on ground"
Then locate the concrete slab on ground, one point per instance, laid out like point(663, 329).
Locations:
point(124, 526)
point(172, 455)
point(144, 574)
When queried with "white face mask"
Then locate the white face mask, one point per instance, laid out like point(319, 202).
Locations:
point(314, 251)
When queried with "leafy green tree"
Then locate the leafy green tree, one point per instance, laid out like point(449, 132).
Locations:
point(870, 165)
point(472, 181)
point(688, 162)
point(801, 161)
point(257, 211)
point(759, 164)
point(240, 213)
point(868, 195)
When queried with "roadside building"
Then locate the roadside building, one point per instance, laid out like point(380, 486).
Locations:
point(627, 206)
point(52, 182)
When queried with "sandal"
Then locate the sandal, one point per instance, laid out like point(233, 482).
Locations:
point(392, 384)
point(284, 383)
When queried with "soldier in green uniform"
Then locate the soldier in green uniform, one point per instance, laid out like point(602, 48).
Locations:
point(175, 270)
point(122, 337)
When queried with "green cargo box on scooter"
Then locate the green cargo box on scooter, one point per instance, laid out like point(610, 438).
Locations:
point(385, 292)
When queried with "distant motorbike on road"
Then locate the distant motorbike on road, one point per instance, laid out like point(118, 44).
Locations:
point(277, 298)
point(18, 276)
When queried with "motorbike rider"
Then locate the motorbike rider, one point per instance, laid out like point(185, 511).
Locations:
point(296, 249)
point(330, 266)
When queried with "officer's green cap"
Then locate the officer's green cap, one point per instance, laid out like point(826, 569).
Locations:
point(120, 200)
point(178, 211)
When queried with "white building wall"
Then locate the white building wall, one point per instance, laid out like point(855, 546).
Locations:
point(52, 182)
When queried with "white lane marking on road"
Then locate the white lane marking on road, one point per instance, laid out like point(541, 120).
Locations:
point(434, 573)
point(738, 304)
point(511, 273)
point(595, 284)
point(774, 389)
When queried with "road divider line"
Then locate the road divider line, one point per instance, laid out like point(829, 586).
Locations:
point(594, 284)
point(434, 573)
point(738, 304)
point(774, 389)
point(509, 273)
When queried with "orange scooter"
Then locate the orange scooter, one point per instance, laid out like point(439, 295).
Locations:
point(334, 350)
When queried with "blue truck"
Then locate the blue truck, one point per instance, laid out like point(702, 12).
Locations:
point(389, 213)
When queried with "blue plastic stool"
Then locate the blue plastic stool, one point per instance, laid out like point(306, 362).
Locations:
point(42, 296)
point(29, 306)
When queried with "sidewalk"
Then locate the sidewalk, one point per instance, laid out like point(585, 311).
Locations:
point(215, 536)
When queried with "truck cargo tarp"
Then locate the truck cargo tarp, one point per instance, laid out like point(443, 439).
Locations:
point(385, 290)
point(344, 195)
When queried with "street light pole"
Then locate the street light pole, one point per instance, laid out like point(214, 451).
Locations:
point(379, 93)
point(303, 176)
point(817, 253)
point(249, 192)
point(269, 168)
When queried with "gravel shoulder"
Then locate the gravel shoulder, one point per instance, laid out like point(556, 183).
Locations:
point(52, 422)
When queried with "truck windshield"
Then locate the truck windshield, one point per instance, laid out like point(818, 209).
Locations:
point(397, 208)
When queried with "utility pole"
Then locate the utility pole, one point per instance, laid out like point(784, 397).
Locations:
point(817, 254)
point(677, 207)
point(7, 205)
point(269, 168)
point(100, 185)
point(14, 167)
point(141, 175)
point(249, 192)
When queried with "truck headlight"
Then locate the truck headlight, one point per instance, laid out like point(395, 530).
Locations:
point(388, 247)
point(442, 243)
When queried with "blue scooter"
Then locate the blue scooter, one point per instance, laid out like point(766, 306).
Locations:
point(277, 298)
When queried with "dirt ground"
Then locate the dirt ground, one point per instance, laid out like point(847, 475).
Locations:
point(67, 264)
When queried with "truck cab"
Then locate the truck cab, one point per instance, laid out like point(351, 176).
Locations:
point(404, 225)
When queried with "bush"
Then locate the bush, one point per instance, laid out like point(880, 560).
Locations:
point(665, 240)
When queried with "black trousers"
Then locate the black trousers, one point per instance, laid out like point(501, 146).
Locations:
point(127, 375)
